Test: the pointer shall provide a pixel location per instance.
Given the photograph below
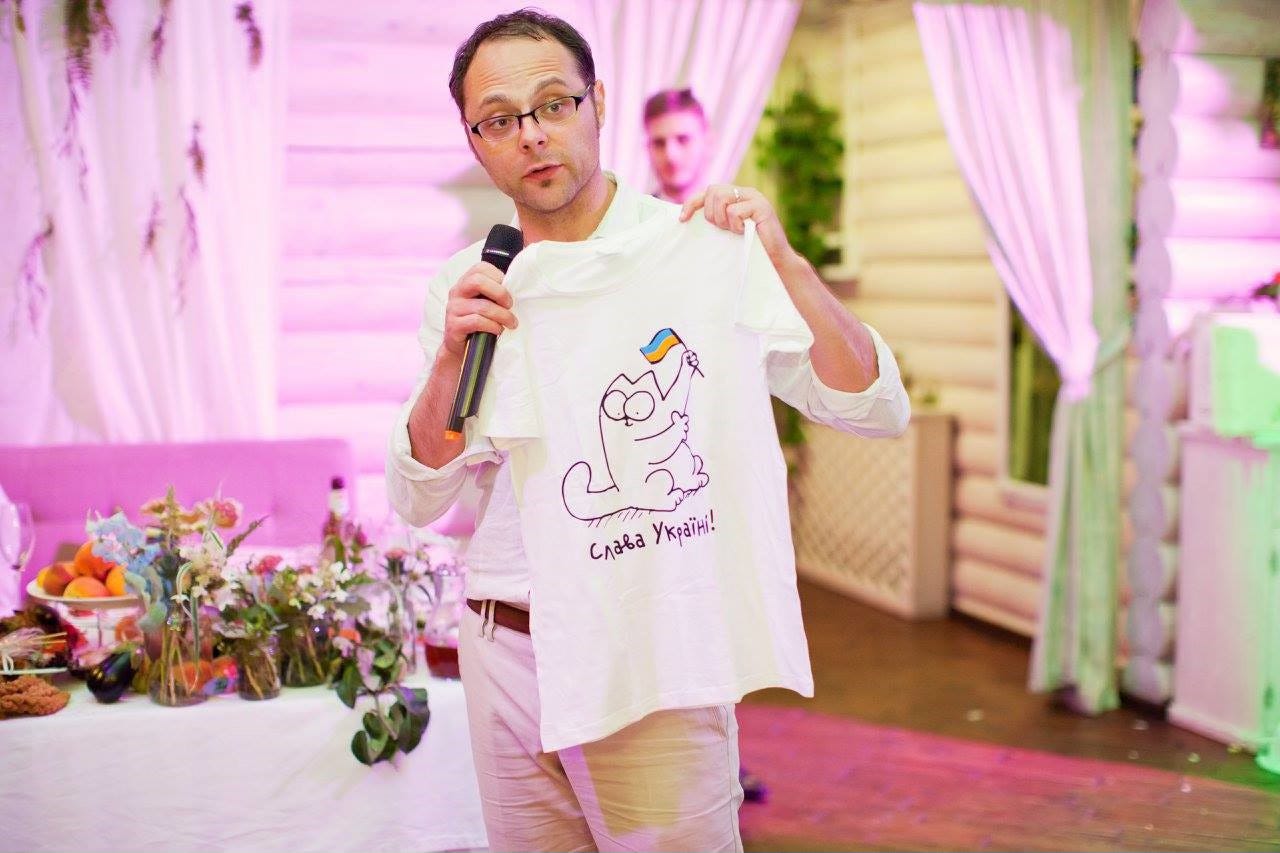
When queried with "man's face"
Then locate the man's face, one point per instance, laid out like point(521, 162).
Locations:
point(678, 149)
point(540, 168)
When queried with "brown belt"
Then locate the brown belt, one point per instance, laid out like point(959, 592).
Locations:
point(506, 615)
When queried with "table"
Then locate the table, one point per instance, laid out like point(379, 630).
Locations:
point(230, 774)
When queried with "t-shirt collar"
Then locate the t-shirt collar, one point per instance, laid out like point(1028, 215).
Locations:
point(623, 212)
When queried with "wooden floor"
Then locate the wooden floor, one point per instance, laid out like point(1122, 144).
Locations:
point(923, 736)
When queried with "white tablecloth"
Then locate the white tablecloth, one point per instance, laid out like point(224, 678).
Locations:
point(233, 775)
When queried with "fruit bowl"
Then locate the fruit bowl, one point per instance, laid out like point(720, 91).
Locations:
point(108, 602)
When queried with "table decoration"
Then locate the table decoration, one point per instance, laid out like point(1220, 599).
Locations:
point(175, 566)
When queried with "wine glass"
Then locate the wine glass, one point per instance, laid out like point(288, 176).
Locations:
point(17, 536)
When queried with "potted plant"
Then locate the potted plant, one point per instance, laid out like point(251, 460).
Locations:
point(802, 151)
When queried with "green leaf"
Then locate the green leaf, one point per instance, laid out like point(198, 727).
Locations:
point(411, 734)
point(396, 717)
point(414, 699)
point(373, 724)
point(349, 687)
point(378, 745)
point(360, 749)
point(414, 702)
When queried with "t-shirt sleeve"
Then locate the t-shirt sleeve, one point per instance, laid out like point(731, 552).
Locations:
point(508, 413)
point(764, 306)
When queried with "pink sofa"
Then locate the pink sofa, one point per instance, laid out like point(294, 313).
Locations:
point(287, 481)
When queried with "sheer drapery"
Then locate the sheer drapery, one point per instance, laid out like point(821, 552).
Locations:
point(728, 51)
point(1029, 93)
point(151, 299)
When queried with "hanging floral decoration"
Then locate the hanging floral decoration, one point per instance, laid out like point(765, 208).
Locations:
point(19, 22)
point(195, 153)
point(157, 35)
point(86, 21)
point(190, 248)
point(244, 14)
point(152, 229)
point(34, 292)
point(87, 27)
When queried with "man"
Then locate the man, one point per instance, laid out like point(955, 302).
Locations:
point(663, 777)
point(679, 143)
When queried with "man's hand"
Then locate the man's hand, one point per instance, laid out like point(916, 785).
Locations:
point(729, 207)
point(477, 303)
point(843, 354)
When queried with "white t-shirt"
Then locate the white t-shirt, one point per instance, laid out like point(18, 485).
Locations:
point(634, 405)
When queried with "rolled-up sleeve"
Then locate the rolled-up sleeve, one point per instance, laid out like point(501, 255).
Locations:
point(418, 493)
point(880, 411)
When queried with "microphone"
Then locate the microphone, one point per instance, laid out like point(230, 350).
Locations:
point(500, 248)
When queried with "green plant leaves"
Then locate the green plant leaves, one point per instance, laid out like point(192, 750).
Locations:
point(361, 750)
point(803, 152)
point(412, 703)
point(398, 728)
point(349, 683)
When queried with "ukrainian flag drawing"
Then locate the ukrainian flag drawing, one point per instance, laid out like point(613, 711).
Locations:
point(661, 344)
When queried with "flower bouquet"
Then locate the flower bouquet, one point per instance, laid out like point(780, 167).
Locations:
point(310, 601)
point(175, 564)
point(249, 630)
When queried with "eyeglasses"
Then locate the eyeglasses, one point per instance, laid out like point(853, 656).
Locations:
point(551, 114)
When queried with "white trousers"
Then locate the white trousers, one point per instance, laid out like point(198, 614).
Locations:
point(666, 782)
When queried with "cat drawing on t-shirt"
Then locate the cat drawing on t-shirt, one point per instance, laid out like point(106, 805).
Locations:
point(643, 433)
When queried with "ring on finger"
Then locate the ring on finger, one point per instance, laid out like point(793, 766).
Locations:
point(737, 194)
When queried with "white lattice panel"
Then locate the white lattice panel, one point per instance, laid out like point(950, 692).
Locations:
point(871, 518)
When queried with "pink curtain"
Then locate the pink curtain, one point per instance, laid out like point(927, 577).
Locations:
point(1012, 81)
point(1007, 92)
point(139, 272)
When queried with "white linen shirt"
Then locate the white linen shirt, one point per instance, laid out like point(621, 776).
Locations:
point(497, 567)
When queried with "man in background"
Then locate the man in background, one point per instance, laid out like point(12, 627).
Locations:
point(679, 143)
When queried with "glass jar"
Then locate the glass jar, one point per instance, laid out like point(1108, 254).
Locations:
point(259, 669)
point(440, 628)
point(178, 672)
point(304, 651)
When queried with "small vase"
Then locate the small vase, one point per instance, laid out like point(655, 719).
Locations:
point(259, 669)
point(177, 676)
point(392, 598)
point(440, 632)
point(304, 652)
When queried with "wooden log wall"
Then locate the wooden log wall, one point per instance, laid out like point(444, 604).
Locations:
point(1208, 215)
point(914, 243)
point(380, 188)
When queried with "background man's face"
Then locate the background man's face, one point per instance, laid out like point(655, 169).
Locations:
point(540, 168)
point(678, 151)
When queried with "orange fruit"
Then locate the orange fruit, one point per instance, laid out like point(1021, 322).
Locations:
point(223, 666)
point(85, 587)
point(89, 564)
point(192, 676)
point(115, 581)
point(127, 630)
point(54, 579)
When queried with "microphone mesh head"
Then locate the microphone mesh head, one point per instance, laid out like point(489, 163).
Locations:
point(502, 245)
